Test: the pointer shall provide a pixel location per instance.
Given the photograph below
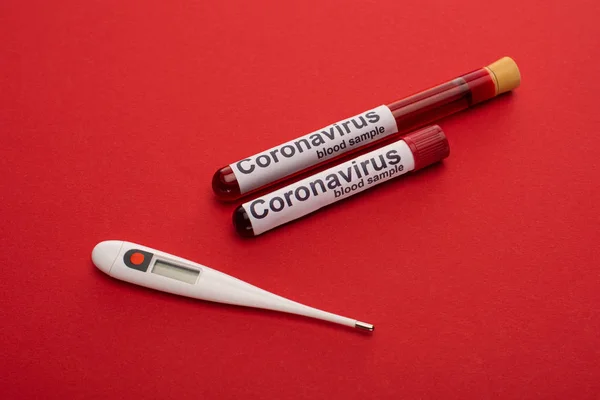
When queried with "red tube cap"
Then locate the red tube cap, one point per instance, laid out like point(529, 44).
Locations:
point(428, 145)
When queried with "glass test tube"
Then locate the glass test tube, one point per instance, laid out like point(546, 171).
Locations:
point(298, 156)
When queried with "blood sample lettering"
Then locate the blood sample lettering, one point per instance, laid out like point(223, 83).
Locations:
point(331, 134)
point(342, 181)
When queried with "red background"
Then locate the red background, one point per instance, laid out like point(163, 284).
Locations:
point(481, 275)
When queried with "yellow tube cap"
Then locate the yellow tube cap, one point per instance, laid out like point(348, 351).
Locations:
point(505, 74)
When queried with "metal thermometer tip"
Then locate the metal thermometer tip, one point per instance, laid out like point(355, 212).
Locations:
point(364, 326)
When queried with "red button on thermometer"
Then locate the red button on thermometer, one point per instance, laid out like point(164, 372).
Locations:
point(155, 269)
point(350, 135)
point(415, 151)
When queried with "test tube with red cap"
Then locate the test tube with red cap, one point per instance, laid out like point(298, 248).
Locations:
point(414, 151)
point(383, 123)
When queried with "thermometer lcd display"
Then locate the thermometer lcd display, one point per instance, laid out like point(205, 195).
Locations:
point(173, 271)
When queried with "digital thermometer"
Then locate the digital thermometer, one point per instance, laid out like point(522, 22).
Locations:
point(155, 269)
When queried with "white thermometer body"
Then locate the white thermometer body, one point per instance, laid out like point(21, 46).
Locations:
point(162, 271)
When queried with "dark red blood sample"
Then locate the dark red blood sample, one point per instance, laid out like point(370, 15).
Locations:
point(409, 113)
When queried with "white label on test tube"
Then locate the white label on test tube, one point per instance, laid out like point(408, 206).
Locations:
point(314, 148)
point(329, 186)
